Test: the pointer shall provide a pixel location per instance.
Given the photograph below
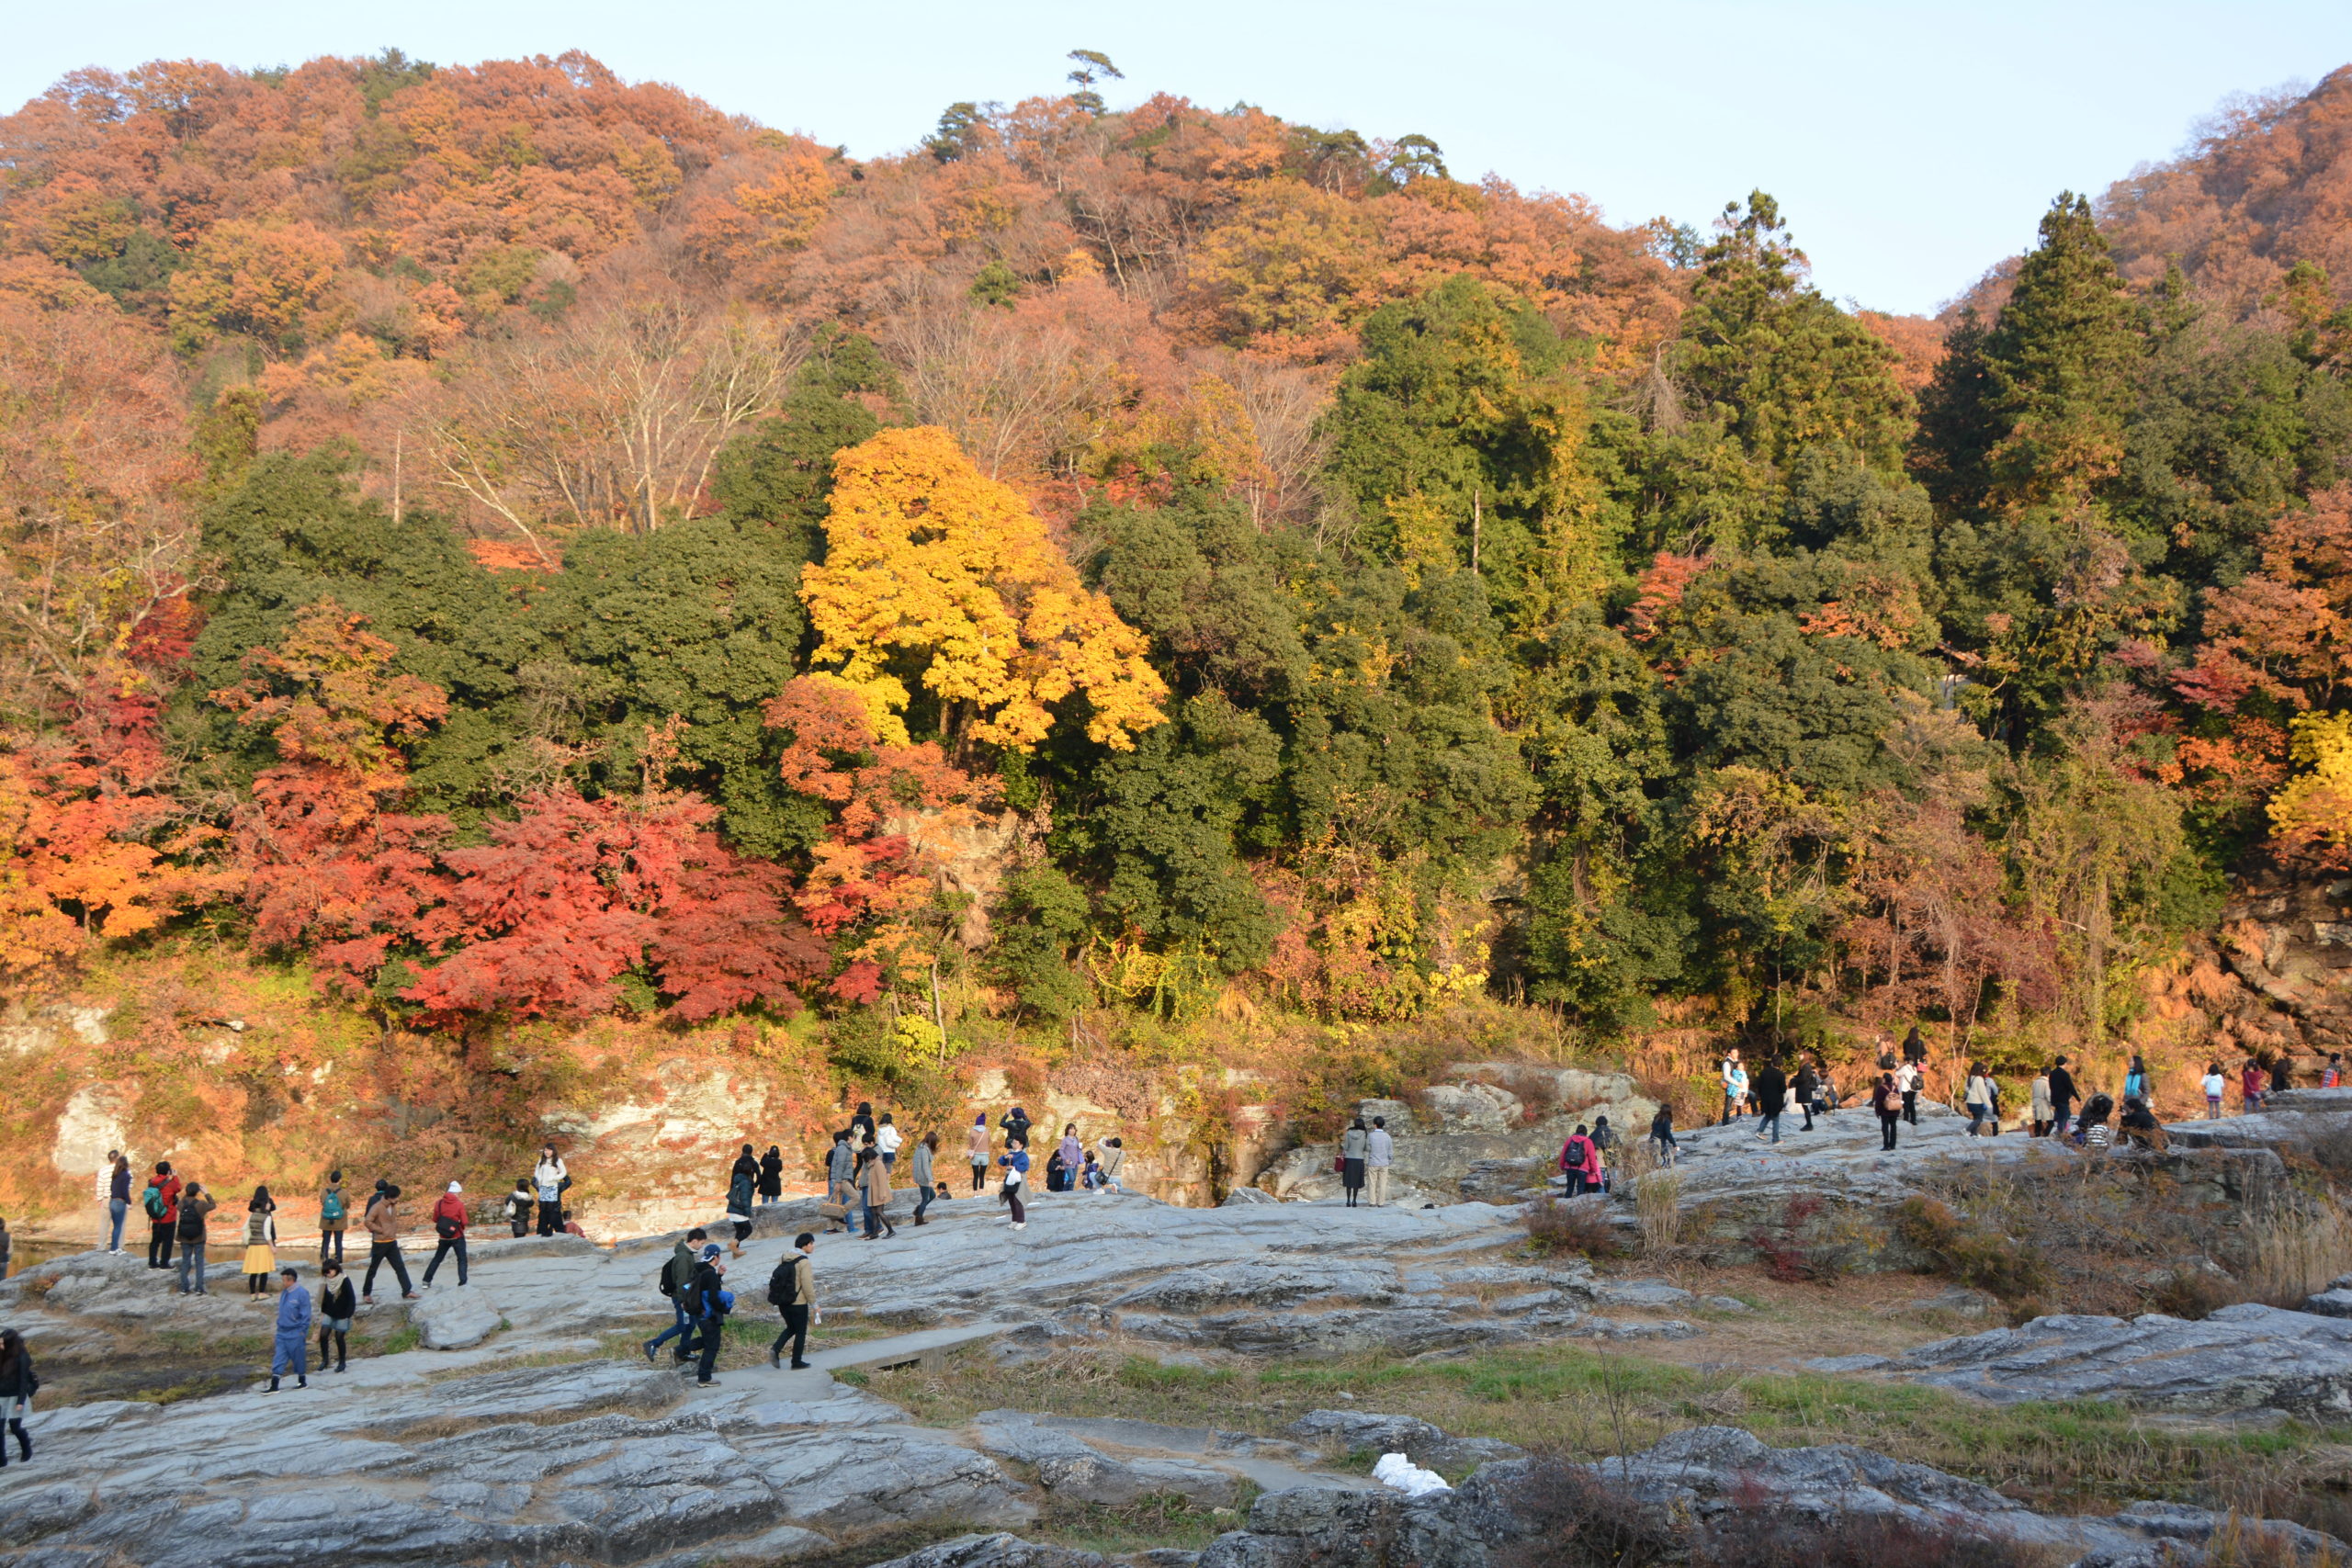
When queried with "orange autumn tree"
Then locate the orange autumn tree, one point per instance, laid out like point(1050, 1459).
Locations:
point(930, 565)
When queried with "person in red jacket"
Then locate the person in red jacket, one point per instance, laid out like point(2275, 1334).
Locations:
point(2252, 1083)
point(165, 1189)
point(449, 1225)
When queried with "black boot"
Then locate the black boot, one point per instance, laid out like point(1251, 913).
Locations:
point(273, 1386)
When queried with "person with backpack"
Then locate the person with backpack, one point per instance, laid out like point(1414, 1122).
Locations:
point(743, 1189)
point(1015, 1161)
point(792, 1290)
point(338, 1305)
point(975, 1150)
point(926, 1153)
point(261, 1241)
point(1577, 1160)
point(449, 1231)
point(160, 1201)
point(551, 1178)
point(2135, 1078)
point(18, 1384)
point(676, 1275)
point(771, 1175)
point(117, 1177)
point(382, 1222)
point(519, 1204)
point(290, 1345)
point(334, 1212)
point(1887, 1100)
point(2062, 1095)
point(706, 1304)
point(194, 1206)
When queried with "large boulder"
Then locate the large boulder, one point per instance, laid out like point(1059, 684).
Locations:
point(454, 1318)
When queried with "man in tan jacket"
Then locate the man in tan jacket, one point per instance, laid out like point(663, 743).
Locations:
point(383, 1225)
point(793, 1289)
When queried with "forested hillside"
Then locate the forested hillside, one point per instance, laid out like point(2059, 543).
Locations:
point(515, 551)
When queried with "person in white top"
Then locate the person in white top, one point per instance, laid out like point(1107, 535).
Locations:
point(1379, 1150)
point(2214, 1085)
point(1907, 1082)
point(887, 1138)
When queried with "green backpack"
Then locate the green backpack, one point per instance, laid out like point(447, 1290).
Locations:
point(153, 1202)
point(330, 1207)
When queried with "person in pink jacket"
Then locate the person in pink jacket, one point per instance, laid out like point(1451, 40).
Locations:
point(1580, 1162)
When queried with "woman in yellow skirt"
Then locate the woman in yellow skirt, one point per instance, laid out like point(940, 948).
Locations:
point(261, 1241)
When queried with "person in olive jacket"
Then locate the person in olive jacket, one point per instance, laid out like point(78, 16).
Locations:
point(195, 1204)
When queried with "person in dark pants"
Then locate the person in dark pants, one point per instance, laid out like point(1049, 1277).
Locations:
point(709, 1313)
point(18, 1386)
point(519, 1203)
point(338, 1303)
point(743, 1194)
point(2062, 1095)
point(383, 1224)
point(1771, 1089)
point(551, 1178)
point(771, 1175)
point(450, 1229)
point(1887, 1100)
point(162, 1213)
point(793, 1290)
point(926, 1156)
point(335, 1213)
point(677, 1278)
point(1807, 1089)
point(194, 1205)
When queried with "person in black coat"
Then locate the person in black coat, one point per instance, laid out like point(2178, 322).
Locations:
point(771, 1175)
point(2062, 1095)
point(708, 1312)
point(1807, 1090)
point(338, 1303)
point(1770, 1087)
point(18, 1386)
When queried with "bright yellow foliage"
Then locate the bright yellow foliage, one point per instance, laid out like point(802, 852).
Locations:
point(2317, 802)
point(925, 555)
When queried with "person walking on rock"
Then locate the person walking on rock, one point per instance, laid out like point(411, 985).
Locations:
point(1771, 1098)
point(261, 1241)
point(975, 1150)
point(194, 1205)
point(1887, 1100)
point(674, 1281)
point(1804, 1088)
point(18, 1384)
point(1575, 1156)
point(709, 1307)
point(1015, 1161)
point(338, 1303)
point(116, 1180)
point(1978, 1096)
point(771, 1175)
point(335, 1213)
point(874, 1191)
point(926, 1152)
point(1351, 1149)
point(449, 1232)
point(742, 1192)
point(792, 1289)
point(161, 1201)
point(1662, 1135)
point(292, 1346)
point(552, 1178)
point(1379, 1155)
point(840, 1171)
point(383, 1225)
point(889, 1140)
point(1907, 1079)
point(2062, 1095)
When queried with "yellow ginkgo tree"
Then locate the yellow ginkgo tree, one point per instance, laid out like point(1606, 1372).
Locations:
point(930, 562)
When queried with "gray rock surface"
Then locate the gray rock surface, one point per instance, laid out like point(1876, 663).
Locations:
point(1364, 1431)
point(998, 1551)
point(2243, 1358)
point(454, 1318)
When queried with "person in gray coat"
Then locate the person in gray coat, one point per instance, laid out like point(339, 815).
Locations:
point(925, 1153)
point(1352, 1145)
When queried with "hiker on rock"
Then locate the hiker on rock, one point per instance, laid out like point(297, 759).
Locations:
point(1887, 1100)
point(2038, 1107)
point(975, 1150)
point(840, 1171)
point(742, 1191)
point(117, 1179)
point(1771, 1098)
point(448, 1231)
point(2062, 1095)
point(707, 1306)
point(771, 1175)
point(1379, 1155)
point(338, 1305)
point(1015, 1161)
point(1580, 1162)
point(1016, 1127)
point(1914, 1049)
point(673, 1281)
point(550, 1178)
point(291, 1346)
point(926, 1154)
point(194, 1205)
point(1979, 1099)
point(1805, 1089)
point(874, 1191)
point(1734, 1077)
point(1907, 1079)
point(2252, 1083)
point(261, 1241)
point(2214, 1085)
point(334, 1212)
point(160, 1201)
point(792, 1290)
point(519, 1204)
point(2135, 1078)
point(862, 1124)
point(17, 1385)
point(383, 1226)
point(1662, 1134)
point(888, 1140)
point(1073, 1154)
point(2332, 1075)
point(2282, 1073)
point(1351, 1150)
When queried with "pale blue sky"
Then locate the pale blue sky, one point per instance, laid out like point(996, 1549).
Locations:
point(1911, 145)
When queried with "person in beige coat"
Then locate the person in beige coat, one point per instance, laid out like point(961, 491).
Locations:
point(874, 1189)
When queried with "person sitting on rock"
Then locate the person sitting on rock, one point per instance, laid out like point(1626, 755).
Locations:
point(2091, 1130)
point(1090, 1175)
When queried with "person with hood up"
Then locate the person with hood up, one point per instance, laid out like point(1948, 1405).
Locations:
point(975, 1150)
point(1015, 1161)
point(926, 1153)
point(196, 1203)
point(550, 1178)
point(771, 1175)
point(676, 1277)
point(18, 1386)
point(707, 1305)
point(1379, 1155)
point(792, 1290)
point(1771, 1098)
point(742, 1191)
point(1353, 1143)
point(335, 1213)
point(338, 1304)
point(261, 1241)
point(874, 1191)
point(291, 1345)
point(1016, 1126)
point(383, 1226)
point(450, 1231)
point(161, 1200)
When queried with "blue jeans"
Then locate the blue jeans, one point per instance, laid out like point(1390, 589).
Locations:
point(873, 1219)
point(1769, 1121)
point(116, 1209)
point(675, 1330)
point(192, 1252)
point(928, 1194)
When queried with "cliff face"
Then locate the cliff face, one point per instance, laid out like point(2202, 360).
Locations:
point(2286, 935)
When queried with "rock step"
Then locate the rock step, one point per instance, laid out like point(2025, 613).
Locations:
point(927, 1348)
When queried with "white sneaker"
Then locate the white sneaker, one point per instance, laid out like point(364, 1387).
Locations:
point(1020, 1224)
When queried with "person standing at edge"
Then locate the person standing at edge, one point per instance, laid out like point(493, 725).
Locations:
point(1015, 1160)
point(161, 1200)
point(114, 1186)
point(335, 1213)
point(793, 1291)
point(1906, 1091)
point(976, 1149)
point(1379, 1154)
point(551, 1178)
point(678, 1277)
point(18, 1386)
point(292, 1346)
point(261, 1241)
point(771, 1175)
point(1886, 1100)
point(448, 1231)
point(2252, 1082)
point(383, 1224)
point(338, 1305)
point(2062, 1095)
point(1734, 1085)
point(926, 1153)
point(1351, 1146)
point(1771, 1098)
point(742, 1191)
point(195, 1204)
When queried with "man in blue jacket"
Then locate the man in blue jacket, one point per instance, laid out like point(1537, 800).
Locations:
point(293, 1346)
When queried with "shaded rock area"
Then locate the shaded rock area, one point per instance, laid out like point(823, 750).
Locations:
point(2287, 934)
point(2242, 1359)
point(2315, 1124)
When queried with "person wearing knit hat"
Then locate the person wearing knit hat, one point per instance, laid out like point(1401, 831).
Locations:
point(449, 1226)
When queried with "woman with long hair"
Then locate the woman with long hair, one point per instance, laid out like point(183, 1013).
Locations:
point(17, 1385)
point(261, 1241)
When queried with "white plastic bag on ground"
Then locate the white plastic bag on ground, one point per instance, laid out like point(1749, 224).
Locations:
point(1396, 1471)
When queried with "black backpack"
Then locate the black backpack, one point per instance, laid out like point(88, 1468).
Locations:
point(663, 1283)
point(782, 1283)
